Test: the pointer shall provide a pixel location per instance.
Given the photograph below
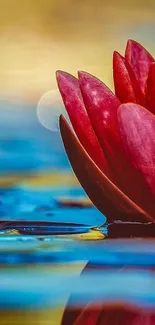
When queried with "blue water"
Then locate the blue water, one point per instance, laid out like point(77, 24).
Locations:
point(50, 288)
point(41, 205)
point(25, 145)
point(33, 287)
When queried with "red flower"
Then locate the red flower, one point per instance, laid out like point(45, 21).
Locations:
point(113, 154)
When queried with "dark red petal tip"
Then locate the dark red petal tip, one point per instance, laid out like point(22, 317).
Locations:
point(60, 74)
point(135, 45)
point(64, 78)
point(124, 89)
point(139, 59)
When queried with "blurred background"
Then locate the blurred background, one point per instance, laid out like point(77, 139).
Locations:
point(37, 37)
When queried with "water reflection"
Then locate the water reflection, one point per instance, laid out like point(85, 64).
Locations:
point(80, 281)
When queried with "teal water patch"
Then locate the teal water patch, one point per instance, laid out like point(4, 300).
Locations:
point(25, 145)
point(41, 205)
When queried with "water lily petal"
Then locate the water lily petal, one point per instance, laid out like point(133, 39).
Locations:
point(103, 193)
point(102, 106)
point(123, 87)
point(126, 86)
point(139, 59)
point(137, 126)
point(71, 95)
point(151, 89)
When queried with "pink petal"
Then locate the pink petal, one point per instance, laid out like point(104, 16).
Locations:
point(101, 191)
point(126, 85)
point(123, 87)
point(137, 126)
point(151, 89)
point(139, 59)
point(102, 106)
point(71, 95)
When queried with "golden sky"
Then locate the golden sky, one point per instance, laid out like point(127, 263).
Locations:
point(38, 37)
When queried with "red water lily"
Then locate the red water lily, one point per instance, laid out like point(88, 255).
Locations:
point(112, 151)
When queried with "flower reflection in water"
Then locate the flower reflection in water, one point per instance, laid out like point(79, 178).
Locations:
point(109, 315)
point(120, 311)
point(121, 286)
